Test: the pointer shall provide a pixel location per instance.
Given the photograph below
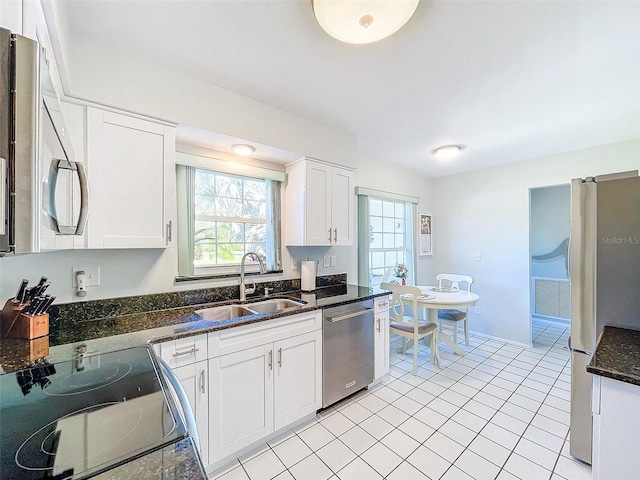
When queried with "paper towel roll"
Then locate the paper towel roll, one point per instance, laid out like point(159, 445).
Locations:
point(308, 271)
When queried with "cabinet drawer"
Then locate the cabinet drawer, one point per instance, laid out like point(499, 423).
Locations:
point(184, 351)
point(247, 336)
point(381, 304)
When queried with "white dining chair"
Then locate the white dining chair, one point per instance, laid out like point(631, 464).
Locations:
point(411, 327)
point(451, 316)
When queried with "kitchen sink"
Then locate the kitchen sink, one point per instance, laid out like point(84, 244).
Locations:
point(224, 312)
point(274, 305)
point(227, 312)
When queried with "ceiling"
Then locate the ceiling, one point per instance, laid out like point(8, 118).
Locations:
point(507, 80)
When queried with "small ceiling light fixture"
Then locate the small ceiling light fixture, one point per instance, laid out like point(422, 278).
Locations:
point(241, 149)
point(447, 152)
point(362, 21)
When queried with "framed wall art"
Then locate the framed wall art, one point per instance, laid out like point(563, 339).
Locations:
point(425, 235)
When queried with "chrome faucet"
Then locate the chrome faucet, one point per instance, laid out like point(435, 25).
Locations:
point(243, 288)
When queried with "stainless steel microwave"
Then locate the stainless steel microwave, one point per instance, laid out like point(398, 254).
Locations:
point(44, 196)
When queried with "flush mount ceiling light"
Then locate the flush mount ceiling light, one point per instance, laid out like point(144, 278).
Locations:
point(447, 152)
point(362, 21)
point(241, 149)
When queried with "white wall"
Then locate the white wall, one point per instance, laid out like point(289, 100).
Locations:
point(120, 80)
point(487, 211)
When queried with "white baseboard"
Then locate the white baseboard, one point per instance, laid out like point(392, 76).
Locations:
point(500, 339)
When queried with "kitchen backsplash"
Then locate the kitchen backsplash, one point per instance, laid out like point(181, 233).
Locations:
point(78, 312)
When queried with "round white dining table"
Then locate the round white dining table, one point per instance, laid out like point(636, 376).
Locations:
point(434, 299)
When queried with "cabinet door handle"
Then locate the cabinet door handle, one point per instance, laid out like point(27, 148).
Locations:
point(49, 197)
point(270, 359)
point(202, 381)
point(378, 325)
point(169, 225)
point(186, 352)
point(280, 357)
point(335, 235)
point(329, 235)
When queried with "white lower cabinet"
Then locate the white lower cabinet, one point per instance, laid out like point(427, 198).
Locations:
point(187, 358)
point(298, 378)
point(247, 382)
point(241, 410)
point(616, 422)
point(259, 390)
point(381, 337)
point(195, 381)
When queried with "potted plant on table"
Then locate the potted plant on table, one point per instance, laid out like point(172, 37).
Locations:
point(402, 272)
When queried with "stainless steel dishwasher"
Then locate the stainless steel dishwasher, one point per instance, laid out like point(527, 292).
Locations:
point(347, 350)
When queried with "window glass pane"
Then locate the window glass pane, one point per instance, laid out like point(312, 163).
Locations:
point(377, 259)
point(376, 224)
point(399, 240)
point(400, 258)
point(388, 225)
point(388, 209)
point(228, 207)
point(390, 258)
point(255, 190)
point(388, 240)
point(376, 240)
point(375, 207)
point(227, 186)
point(376, 275)
point(254, 209)
point(230, 253)
point(399, 207)
point(399, 225)
point(255, 233)
point(204, 246)
point(230, 232)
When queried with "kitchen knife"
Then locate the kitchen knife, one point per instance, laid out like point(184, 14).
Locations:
point(29, 293)
point(41, 288)
point(36, 302)
point(21, 290)
point(42, 308)
point(42, 281)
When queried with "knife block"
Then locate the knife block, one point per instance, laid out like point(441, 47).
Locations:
point(15, 324)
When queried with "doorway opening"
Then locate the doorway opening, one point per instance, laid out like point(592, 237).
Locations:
point(550, 292)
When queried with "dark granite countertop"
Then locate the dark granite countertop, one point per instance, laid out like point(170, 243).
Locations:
point(173, 462)
point(617, 355)
point(121, 331)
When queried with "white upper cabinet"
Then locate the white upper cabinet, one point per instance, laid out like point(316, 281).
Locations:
point(320, 204)
point(131, 169)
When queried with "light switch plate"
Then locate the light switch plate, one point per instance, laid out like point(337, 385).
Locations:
point(478, 257)
point(333, 260)
point(326, 261)
point(91, 276)
point(476, 310)
point(295, 265)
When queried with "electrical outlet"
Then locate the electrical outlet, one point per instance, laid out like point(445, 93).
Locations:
point(476, 310)
point(333, 260)
point(326, 261)
point(91, 276)
point(295, 265)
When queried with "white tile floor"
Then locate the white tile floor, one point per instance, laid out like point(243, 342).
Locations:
point(500, 412)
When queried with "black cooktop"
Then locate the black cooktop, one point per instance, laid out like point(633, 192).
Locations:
point(75, 419)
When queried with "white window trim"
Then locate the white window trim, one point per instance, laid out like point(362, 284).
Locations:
point(186, 268)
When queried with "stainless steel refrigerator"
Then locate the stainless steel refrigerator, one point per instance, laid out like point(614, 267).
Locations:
point(604, 270)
